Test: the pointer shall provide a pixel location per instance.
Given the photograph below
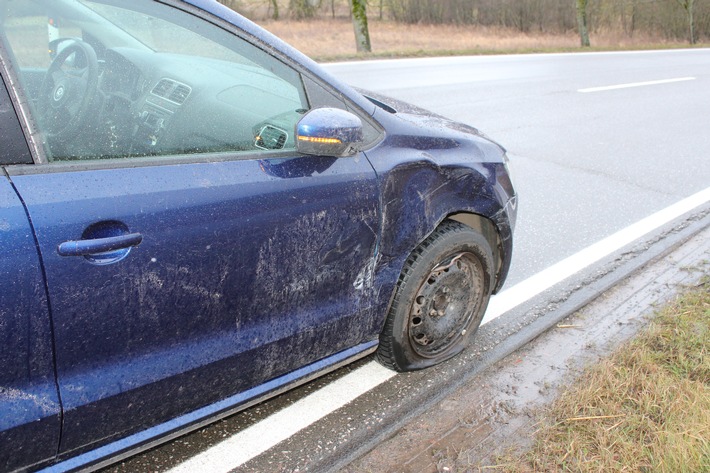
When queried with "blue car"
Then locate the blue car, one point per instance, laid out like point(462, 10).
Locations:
point(194, 217)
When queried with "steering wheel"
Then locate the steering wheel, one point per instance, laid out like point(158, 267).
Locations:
point(68, 90)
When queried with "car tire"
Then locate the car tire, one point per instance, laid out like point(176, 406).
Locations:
point(440, 299)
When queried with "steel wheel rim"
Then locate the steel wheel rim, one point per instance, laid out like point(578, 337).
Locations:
point(445, 303)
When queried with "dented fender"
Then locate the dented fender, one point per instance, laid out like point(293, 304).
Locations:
point(425, 179)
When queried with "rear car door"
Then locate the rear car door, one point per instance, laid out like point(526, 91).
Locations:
point(29, 401)
point(190, 253)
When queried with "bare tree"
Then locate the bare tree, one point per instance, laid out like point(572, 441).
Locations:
point(300, 9)
point(275, 4)
point(689, 7)
point(362, 34)
point(582, 22)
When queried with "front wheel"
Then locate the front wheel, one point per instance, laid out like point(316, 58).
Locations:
point(440, 299)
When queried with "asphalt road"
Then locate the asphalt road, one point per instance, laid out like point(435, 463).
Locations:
point(586, 165)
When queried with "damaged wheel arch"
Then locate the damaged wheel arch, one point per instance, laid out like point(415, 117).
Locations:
point(488, 230)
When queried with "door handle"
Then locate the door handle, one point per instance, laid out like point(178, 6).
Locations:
point(99, 245)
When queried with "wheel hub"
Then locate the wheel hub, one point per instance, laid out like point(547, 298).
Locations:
point(444, 304)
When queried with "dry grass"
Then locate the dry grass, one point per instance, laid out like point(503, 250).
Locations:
point(329, 39)
point(645, 409)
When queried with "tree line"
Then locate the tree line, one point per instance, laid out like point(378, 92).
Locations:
point(663, 18)
point(668, 19)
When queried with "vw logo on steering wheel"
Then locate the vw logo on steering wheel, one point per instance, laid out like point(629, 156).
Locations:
point(58, 93)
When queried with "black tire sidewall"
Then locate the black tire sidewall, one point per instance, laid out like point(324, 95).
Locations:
point(448, 239)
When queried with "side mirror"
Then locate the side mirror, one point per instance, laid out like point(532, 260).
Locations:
point(328, 132)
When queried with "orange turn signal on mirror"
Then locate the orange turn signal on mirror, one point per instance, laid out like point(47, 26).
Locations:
point(314, 139)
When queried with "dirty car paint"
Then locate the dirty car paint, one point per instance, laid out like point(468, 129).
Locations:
point(29, 402)
point(237, 269)
point(431, 168)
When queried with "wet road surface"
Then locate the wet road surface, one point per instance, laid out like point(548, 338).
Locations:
point(585, 164)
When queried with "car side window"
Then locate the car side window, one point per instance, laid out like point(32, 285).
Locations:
point(13, 147)
point(326, 98)
point(119, 80)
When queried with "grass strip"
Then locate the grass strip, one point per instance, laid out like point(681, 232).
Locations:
point(644, 409)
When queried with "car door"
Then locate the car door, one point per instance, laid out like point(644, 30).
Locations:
point(190, 252)
point(29, 401)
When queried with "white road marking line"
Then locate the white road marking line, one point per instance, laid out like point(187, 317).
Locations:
point(545, 279)
point(258, 438)
point(634, 84)
point(247, 444)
